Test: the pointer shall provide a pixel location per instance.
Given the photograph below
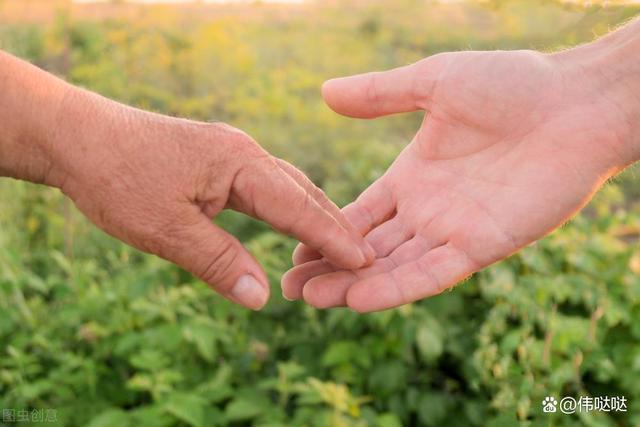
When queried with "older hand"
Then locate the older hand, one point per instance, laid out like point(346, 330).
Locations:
point(156, 182)
point(513, 145)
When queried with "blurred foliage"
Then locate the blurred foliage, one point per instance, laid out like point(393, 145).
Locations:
point(112, 337)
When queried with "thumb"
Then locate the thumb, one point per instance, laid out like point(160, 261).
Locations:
point(376, 94)
point(219, 259)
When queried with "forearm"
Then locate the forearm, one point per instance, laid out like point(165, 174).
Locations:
point(52, 132)
point(611, 64)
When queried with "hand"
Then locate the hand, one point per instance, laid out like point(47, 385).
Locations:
point(156, 182)
point(513, 145)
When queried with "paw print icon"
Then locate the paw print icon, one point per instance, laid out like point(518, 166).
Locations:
point(549, 404)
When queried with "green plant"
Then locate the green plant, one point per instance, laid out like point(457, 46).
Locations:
point(107, 336)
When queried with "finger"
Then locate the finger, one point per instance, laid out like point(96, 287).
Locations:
point(431, 274)
point(293, 280)
point(388, 236)
point(376, 94)
point(319, 196)
point(303, 253)
point(218, 259)
point(374, 206)
point(268, 193)
point(414, 249)
point(329, 289)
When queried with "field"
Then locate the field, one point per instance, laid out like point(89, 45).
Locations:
point(102, 335)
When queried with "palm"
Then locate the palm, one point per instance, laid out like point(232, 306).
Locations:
point(494, 166)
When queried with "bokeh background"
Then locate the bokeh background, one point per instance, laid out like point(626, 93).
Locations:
point(109, 336)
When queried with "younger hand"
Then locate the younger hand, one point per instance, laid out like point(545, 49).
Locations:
point(513, 145)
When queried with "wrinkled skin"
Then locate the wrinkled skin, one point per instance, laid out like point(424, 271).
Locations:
point(513, 144)
point(156, 182)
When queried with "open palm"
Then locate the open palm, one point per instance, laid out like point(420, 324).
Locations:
point(513, 144)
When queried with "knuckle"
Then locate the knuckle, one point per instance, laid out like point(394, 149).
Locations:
point(363, 210)
point(240, 142)
point(252, 179)
point(315, 191)
point(301, 206)
point(428, 72)
point(302, 179)
point(221, 130)
point(235, 143)
point(219, 268)
point(399, 287)
point(422, 82)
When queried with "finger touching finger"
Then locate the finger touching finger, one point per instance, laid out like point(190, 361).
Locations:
point(374, 206)
point(278, 199)
point(324, 289)
point(321, 198)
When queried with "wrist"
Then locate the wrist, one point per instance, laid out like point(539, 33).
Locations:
point(606, 74)
point(28, 107)
point(52, 132)
point(89, 144)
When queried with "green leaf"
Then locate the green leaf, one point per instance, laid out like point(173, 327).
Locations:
point(432, 409)
point(340, 352)
point(151, 416)
point(213, 417)
point(388, 420)
point(429, 342)
point(203, 336)
point(242, 409)
point(388, 377)
point(217, 394)
point(189, 408)
point(110, 418)
point(149, 360)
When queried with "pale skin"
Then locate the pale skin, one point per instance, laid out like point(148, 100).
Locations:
point(155, 182)
point(513, 144)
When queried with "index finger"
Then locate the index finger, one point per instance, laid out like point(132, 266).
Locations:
point(270, 194)
point(375, 205)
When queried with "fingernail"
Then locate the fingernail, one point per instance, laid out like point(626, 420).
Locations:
point(282, 285)
point(250, 292)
